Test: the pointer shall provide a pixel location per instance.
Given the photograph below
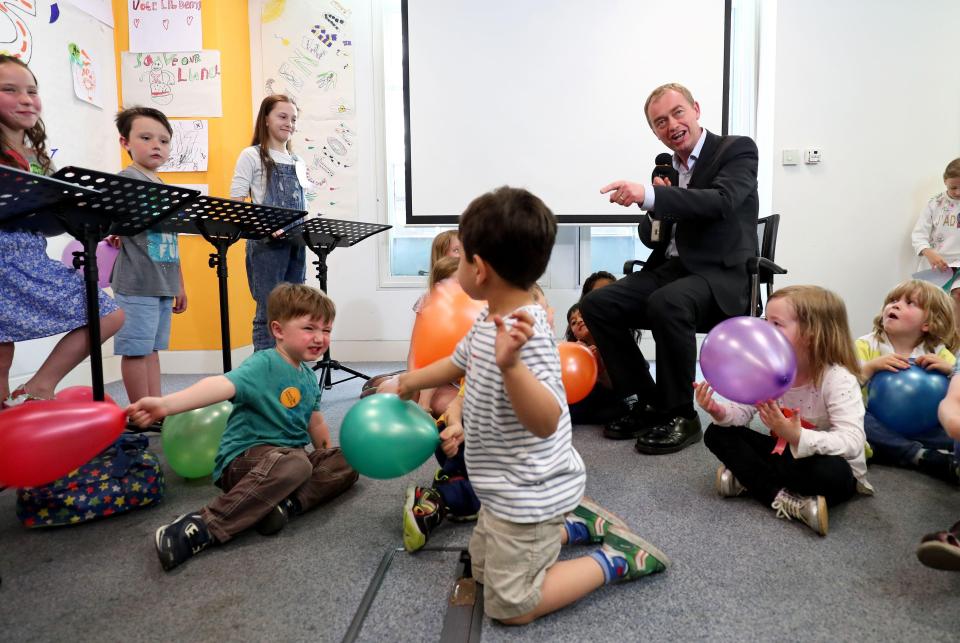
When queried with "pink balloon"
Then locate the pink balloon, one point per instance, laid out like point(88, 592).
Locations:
point(45, 440)
point(67, 257)
point(106, 256)
point(747, 360)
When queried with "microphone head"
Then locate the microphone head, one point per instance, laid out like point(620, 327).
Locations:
point(664, 159)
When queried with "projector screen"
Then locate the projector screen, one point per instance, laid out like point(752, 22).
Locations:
point(548, 95)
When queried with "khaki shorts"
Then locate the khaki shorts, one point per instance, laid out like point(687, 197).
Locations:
point(511, 560)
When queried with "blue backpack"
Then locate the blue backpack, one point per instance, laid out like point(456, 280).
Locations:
point(123, 477)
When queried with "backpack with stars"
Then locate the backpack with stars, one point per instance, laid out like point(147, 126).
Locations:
point(123, 477)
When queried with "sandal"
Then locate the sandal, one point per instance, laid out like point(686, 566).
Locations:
point(941, 550)
point(20, 396)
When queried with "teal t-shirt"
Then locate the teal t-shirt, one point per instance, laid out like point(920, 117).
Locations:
point(273, 405)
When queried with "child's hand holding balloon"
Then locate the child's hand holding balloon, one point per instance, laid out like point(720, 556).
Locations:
point(782, 426)
point(704, 396)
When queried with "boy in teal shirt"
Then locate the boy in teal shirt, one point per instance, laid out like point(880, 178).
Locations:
point(261, 465)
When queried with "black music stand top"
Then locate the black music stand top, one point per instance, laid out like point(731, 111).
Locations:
point(28, 199)
point(121, 205)
point(215, 217)
point(334, 233)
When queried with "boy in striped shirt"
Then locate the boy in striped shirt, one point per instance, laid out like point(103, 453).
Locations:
point(516, 425)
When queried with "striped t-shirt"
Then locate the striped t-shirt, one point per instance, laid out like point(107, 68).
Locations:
point(518, 476)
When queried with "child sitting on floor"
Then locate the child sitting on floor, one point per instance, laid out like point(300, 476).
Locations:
point(518, 448)
point(266, 474)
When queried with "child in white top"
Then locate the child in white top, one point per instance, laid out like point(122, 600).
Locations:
point(269, 172)
point(820, 418)
point(915, 323)
point(936, 235)
point(516, 425)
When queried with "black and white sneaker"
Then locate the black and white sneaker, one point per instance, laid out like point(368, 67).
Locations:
point(181, 539)
point(278, 518)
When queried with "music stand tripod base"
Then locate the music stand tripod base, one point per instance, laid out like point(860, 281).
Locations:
point(322, 236)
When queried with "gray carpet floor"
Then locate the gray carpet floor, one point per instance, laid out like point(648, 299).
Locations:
point(738, 572)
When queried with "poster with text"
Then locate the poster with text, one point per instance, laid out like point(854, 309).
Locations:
point(189, 147)
point(178, 84)
point(305, 49)
point(164, 25)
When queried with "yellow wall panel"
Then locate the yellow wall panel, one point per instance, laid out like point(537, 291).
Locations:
point(225, 28)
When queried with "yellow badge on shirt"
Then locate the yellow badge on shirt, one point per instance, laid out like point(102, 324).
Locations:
point(290, 397)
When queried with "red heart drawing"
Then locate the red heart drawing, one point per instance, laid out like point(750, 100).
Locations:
point(166, 24)
point(189, 20)
point(136, 22)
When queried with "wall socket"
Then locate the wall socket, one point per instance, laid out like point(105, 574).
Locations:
point(812, 157)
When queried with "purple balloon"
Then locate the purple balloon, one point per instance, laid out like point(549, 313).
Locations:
point(747, 360)
point(106, 256)
point(67, 257)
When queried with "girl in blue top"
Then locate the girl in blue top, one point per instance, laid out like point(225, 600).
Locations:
point(40, 296)
point(268, 172)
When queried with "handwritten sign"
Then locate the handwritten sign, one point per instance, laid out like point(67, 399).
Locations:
point(179, 84)
point(164, 25)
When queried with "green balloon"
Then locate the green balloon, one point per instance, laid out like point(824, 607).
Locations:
point(383, 436)
point(190, 440)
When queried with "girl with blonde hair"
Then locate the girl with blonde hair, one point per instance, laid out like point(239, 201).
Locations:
point(916, 323)
point(820, 418)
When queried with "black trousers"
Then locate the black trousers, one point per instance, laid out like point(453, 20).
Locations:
point(672, 303)
point(747, 454)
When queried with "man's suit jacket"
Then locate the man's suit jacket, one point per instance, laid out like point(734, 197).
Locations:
point(715, 219)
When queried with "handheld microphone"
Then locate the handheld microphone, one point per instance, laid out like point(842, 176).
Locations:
point(665, 170)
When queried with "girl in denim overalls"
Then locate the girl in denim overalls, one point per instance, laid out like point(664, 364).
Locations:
point(269, 173)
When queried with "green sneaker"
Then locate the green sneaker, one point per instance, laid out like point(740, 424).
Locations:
point(595, 518)
point(422, 512)
point(624, 547)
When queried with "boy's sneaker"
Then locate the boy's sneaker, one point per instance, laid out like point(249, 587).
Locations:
point(440, 478)
point(727, 484)
point(595, 518)
point(181, 539)
point(811, 510)
point(277, 519)
point(939, 465)
point(631, 555)
point(422, 512)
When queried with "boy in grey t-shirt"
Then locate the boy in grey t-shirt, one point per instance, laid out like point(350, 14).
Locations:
point(146, 279)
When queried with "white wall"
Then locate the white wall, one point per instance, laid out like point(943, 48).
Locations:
point(875, 87)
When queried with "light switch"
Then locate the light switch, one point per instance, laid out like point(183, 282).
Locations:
point(791, 157)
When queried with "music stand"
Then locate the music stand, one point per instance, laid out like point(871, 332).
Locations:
point(222, 222)
point(26, 200)
point(322, 236)
point(120, 206)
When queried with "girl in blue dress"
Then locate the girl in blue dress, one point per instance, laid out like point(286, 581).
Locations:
point(40, 296)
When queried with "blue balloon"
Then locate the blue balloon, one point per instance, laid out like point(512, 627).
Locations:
point(907, 401)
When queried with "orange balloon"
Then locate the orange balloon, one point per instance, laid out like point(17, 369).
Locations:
point(578, 370)
point(445, 319)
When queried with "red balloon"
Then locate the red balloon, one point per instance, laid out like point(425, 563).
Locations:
point(80, 394)
point(578, 370)
point(45, 440)
point(444, 320)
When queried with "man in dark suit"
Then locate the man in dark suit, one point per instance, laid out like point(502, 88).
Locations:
point(701, 232)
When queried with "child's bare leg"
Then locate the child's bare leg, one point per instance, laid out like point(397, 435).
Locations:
point(426, 395)
point(136, 380)
point(153, 374)
point(69, 351)
point(6, 361)
point(566, 581)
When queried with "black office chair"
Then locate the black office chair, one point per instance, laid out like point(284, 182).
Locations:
point(761, 268)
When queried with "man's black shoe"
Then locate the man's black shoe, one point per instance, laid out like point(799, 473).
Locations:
point(636, 422)
point(670, 437)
